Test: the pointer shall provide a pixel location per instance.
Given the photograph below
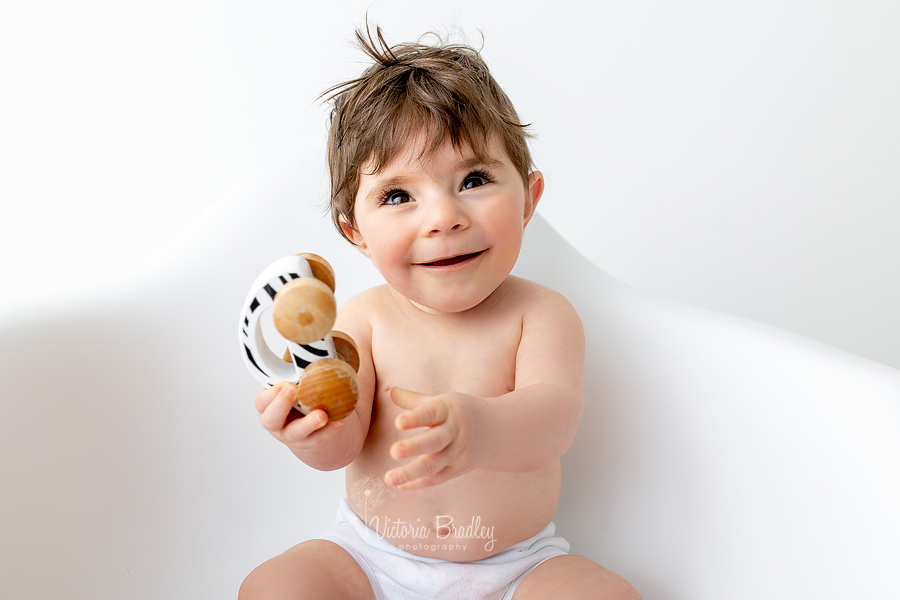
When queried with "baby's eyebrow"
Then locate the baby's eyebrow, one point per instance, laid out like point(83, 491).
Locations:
point(380, 186)
point(474, 161)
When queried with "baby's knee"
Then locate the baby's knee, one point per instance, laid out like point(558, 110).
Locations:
point(313, 570)
point(597, 582)
point(591, 581)
point(620, 589)
point(574, 578)
point(268, 582)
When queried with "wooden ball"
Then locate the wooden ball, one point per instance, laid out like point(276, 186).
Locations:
point(304, 310)
point(321, 270)
point(346, 349)
point(329, 384)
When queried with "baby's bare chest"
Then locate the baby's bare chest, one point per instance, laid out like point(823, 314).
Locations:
point(477, 358)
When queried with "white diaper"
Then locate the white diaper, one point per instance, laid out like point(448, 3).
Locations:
point(398, 575)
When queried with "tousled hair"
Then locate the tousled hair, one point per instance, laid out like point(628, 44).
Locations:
point(443, 90)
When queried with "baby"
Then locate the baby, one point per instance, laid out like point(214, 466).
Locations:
point(470, 379)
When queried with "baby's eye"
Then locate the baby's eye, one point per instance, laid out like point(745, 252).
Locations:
point(475, 180)
point(395, 197)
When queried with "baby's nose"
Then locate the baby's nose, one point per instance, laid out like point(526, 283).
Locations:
point(446, 215)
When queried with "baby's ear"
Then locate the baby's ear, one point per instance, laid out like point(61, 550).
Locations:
point(534, 189)
point(353, 235)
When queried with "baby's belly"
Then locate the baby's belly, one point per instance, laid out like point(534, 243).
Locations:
point(465, 519)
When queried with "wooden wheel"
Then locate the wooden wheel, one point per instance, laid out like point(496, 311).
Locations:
point(329, 384)
point(321, 270)
point(304, 310)
point(346, 349)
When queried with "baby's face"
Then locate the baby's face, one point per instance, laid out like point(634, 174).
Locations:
point(444, 230)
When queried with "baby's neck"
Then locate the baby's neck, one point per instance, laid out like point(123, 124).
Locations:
point(425, 309)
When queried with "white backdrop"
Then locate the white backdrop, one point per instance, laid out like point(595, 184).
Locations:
point(742, 156)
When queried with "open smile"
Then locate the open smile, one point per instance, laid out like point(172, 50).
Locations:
point(453, 260)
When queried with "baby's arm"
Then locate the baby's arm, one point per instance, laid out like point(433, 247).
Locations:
point(521, 431)
point(322, 445)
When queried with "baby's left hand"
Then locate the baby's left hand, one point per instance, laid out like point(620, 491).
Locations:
point(453, 443)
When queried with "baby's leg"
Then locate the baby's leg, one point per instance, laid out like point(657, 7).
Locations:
point(574, 578)
point(317, 569)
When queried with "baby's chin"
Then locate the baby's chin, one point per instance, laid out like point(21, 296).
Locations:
point(443, 308)
point(447, 303)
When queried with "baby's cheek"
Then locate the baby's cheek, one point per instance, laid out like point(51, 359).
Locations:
point(384, 259)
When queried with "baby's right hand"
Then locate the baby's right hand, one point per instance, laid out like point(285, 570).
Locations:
point(290, 427)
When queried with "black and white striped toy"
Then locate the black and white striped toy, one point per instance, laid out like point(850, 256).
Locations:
point(297, 293)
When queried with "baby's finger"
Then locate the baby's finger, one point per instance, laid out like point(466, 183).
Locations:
point(302, 428)
point(423, 468)
point(275, 414)
point(265, 397)
point(438, 478)
point(426, 414)
point(407, 398)
point(429, 442)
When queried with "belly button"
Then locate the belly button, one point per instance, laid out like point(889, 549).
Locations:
point(443, 531)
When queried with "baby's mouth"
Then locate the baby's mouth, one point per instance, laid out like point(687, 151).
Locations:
point(444, 262)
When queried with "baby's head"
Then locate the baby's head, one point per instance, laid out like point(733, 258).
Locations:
point(444, 91)
point(431, 173)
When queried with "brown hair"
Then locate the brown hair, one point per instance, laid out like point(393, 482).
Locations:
point(446, 90)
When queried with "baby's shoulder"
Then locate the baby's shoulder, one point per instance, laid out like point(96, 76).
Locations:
point(538, 302)
point(367, 301)
point(354, 317)
point(532, 295)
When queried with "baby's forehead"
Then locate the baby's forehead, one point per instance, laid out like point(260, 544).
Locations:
point(421, 150)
